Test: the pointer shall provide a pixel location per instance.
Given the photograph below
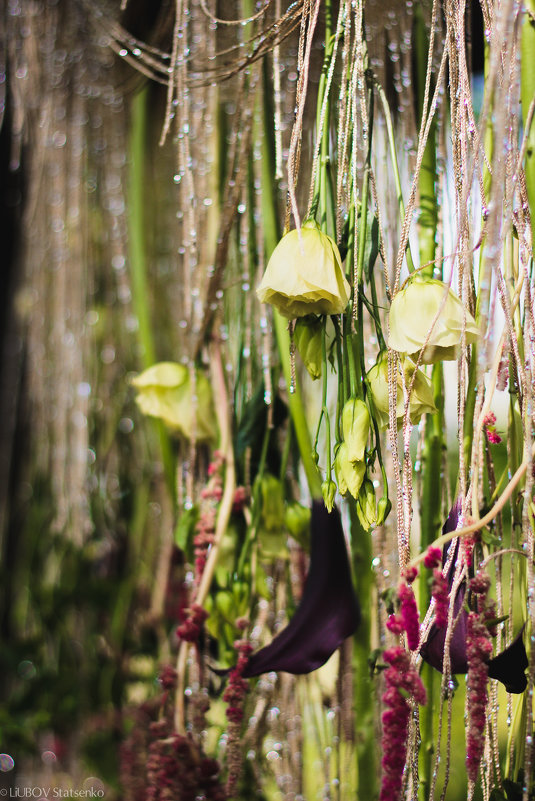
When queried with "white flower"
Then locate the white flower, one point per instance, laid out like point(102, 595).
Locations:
point(304, 275)
point(411, 316)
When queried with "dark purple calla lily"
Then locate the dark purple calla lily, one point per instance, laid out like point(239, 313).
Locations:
point(328, 612)
point(508, 666)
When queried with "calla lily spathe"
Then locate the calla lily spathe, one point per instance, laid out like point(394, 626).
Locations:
point(328, 612)
point(411, 317)
point(508, 666)
point(304, 275)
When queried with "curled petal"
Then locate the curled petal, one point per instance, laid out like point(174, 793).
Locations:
point(508, 666)
point(328, 612)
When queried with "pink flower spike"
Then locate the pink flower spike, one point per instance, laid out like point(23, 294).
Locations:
point(409, 574)
point(479, 650)
point(440, 592)
point(409, 615)
point(394, 624)
point(433, 557)
point(489, 420)
point(401, 680)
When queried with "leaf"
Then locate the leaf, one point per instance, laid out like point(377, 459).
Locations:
point(185, 528)
point(371, 247)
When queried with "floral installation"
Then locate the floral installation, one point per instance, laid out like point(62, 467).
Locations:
point(267, 395)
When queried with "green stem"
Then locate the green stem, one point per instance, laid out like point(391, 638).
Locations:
point(297, 410)
point(363, 230)
point(431, 521)
point(527, 93)
point(323, 203)
point(395, 166)
point(364, 698)
point(428, 172)
point(324, 409)
point(138, 259)
point(271, 238)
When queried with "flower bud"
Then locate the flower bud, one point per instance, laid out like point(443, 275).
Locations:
point(384, 506)
point(165, 391)
point(328, 490)
point(421, 399)
point(304, 275)
point(367, 506)
point(355, 428)
point(307, 338)
point(411, 317)
point(349, 475)
point(297, 520)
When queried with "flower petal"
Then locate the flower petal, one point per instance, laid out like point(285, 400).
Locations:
point(328, 612)
point(508, 666)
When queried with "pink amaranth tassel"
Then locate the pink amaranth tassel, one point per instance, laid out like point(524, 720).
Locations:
point(479, 650)
point(402, 682)
point(409, 615)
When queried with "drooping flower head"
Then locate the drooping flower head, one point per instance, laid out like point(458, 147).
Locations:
point(411, 317)
point(328, 612)
point(165, 391)
point(304, 275)
point(421, 398)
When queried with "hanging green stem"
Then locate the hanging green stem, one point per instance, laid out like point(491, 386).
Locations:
point(364, 698)
point(363, 231)
point(324, 409)
point(271, 237)
point(395, 166)
point(323, 202)
point(432, 481)
point(527, 93)
point(427, 178)
point(138, 260)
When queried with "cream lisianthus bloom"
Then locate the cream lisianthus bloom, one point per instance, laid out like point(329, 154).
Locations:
point(411, 316)
point(304, 275)
point(165, 391)
point(349, 475)
point(355, 428)
point(421, 400)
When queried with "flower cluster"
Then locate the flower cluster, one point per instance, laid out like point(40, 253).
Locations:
point(205, 527)
point(234, 696)
point(479, 650)
point(193, 619)
point(157, 764)
point(489, 424)
point(177, 768)
point(407, 619)
point(237, 686)
point(402, 683)
point(433, 557)
point(439, 586)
